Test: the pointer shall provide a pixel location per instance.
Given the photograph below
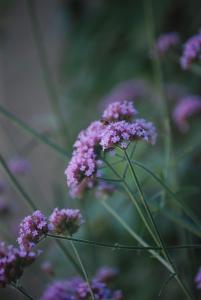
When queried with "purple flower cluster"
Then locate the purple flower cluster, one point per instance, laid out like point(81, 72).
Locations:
point(117, 111)
point(19, 166)
point(77, 289)
point(106, 274)
point(32, 229)
point(12, 263)
point(65, 220)
point(104, 189)
point(117, 128)
point(186, 108)
point(166, 42)
point(84, 158)
point(121, 133)
point(191, 51)
point(198, 279)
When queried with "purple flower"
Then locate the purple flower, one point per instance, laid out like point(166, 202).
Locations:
point(104, 189)
point(32, 229)
point(121, 133)
point(84, 159)
point(62, 290)
point(106, 274)
point(19, 166)
point(127, 90)
point(47, 268)
point(65, 220)
point(186, 108)
point(198, 279)
point(120, 110)
point(166, 42)
point(191, 51)
point(12, 263)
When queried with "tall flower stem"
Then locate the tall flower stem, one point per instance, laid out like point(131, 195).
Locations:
point(83, 269)
point(154, 226)
point(22, 291)
point(43, 59)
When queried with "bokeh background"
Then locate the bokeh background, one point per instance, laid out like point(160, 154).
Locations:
point(87, 48)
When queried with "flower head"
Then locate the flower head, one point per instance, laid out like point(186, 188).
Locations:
point(19, 166)
point(120, 110)
point(166, 42)
point(12, 263)
point(191, 51)
point(65, 220)
point(186, 108)
point(121, 133)
point(106, 274)
point(198, 279)
point(32, 229)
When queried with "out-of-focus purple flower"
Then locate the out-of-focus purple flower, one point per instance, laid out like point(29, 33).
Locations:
point(19, 166)
point(191, 51)
point(118, 111)
point(106, 274)
point(65, 220)
point(84, 159)
point(174, 91)
point(62, 290)
point(77, 289)
point(4, 207)
point(104, 189)
point(12, 263)
point(166, 42)
point(47, 268)
point(121, 133)
point(187, 107)
point(127, 90)
point(198, 279)
point(32, 229)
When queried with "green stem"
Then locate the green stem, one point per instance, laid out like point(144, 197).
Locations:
point(46, 71)
point(154, 226)
point(83, 269)
point(22, 291)
point(37, 135)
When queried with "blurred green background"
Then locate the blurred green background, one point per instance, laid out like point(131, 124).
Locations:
point(92, 46)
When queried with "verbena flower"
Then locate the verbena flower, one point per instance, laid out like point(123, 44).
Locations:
point(191, 51)
point(198, 279)
point(77, 289)
point(19, 166)
point(47, 268)
point(104, 189)
point(166, 42)
point(65, 220)
point(12, 263)
point(187, 107)
point(120, 110)
point(32, 229)
point(106, 274)
point(121, 133)
point(84, 159)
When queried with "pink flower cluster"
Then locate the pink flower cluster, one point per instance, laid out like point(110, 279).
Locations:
point(117, 111)
point(191, 51)
point(65, 220)
point(165, 42)
point(12, 263)
point(116, 129)
point(32, 229)
point(186, 108)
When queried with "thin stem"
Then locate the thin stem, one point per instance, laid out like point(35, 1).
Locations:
point(118, 246)
point(83, 268)
point(37, 135)
point(22, 291)
point(16, 184)
point(135, 235)
point(46, 71)
point(157, 233)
